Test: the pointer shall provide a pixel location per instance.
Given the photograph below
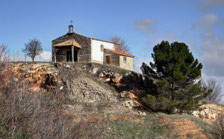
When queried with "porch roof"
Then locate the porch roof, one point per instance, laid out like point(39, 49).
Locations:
point(70, 42)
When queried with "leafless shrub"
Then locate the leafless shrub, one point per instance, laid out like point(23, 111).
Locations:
point(216, 95)
point(4, 56)
point(121, 44)
point(3, 53)
point(27, 114)
point(38, 114)
point(4, 74)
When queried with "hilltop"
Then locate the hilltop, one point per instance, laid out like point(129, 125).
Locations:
point(103, 102)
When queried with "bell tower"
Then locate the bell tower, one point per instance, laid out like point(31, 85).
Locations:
point(71, 28)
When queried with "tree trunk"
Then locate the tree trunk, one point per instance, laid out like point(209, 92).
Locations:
point(172, 98)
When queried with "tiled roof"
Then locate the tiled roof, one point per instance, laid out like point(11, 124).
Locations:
point(119, 52)
point(70, 42)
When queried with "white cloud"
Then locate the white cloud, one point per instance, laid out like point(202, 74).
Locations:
point(44, 56)
point(209, 4)
point(213, 56)
point(208, 22)
point(212, 47)
point(147, 26)
point(138, 62)
point(210, 51)
point(222, 24)
point(166, 36)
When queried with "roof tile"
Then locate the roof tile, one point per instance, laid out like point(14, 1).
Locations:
point(119, 52)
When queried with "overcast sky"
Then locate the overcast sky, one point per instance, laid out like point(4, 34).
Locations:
point(142, 23)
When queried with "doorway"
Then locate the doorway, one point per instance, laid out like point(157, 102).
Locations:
point(76, 55)
point(69, 56)
point(108, 60)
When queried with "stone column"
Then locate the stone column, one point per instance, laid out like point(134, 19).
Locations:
point(53, 54)
point(55, 59)
point(72, 54)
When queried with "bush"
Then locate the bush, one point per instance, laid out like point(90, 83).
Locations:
point(36, 114)
point(159, 104)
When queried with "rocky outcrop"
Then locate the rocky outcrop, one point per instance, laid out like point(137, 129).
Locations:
point(209, 112)
point(41, 76)
point(86, 90)
point(92, 85)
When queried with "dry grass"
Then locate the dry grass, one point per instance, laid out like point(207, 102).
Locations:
point(218, 126)
point(24, 114)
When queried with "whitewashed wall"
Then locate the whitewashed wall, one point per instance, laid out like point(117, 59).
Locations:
point(97, 51)
point(128, 64)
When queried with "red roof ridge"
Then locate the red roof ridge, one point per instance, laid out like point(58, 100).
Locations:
point(119, 52)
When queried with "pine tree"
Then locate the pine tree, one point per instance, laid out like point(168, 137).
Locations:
point(177, 74)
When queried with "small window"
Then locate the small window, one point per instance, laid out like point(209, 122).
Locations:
point(125, 59)
point(102, 48)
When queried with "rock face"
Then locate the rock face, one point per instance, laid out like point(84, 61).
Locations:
point(89, 86)
point(86, 90)
point(93, 86)
point(209, 112)
point(128, 103)
point(41, 76)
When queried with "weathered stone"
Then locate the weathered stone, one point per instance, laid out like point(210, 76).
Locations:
point(128, 103)
point(58, 65)
point(124, 94)
point(114, 58)
point(88, 91)
point(142, 113)
point(208, 112)
point(83, 54)
point(35, 66)
point(195, 113)
point(40, 76)
point(107, 80)
point(95, 70)
point(68, 66)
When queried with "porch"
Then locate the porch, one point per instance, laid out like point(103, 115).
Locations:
point(67, 51)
